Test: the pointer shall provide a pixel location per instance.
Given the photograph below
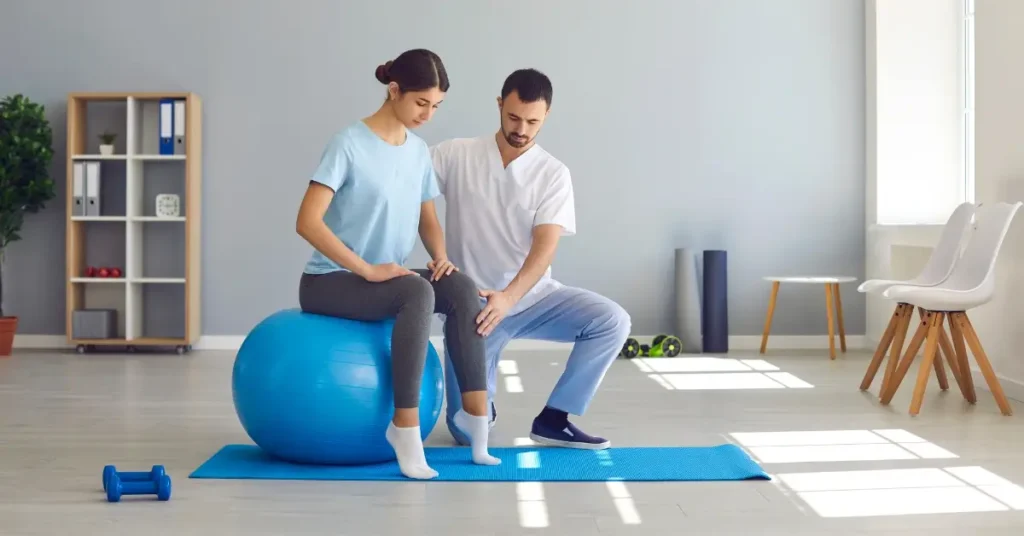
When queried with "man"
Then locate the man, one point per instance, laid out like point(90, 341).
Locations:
point(508, 201)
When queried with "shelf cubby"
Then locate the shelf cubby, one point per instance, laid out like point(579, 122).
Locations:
point(103, 116)
point(158, 251)
point(100, 244)
point(158, 294)
point(113, 186)
point(159, 310)
point(151, 178)
point(102, 294)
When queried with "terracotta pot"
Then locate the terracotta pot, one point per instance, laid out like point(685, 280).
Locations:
point(8, 325)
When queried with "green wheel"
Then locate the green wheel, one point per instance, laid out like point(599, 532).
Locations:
point(630, 349)
point(657, 340)
point(671, 346)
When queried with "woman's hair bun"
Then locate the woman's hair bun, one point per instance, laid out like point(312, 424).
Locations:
point(383, 73)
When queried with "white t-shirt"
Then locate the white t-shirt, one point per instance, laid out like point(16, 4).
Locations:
point(491, 211)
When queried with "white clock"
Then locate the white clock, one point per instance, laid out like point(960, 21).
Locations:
point(168, 205)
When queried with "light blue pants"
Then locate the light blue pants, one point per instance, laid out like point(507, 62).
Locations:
point(598, 326)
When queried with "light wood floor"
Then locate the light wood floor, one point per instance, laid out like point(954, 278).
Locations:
point(842, 463)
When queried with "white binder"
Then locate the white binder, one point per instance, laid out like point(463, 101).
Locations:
point(179, 127)
point(78, 190)
point(92, 189)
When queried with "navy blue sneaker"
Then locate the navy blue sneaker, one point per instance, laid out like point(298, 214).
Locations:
point(568, 436)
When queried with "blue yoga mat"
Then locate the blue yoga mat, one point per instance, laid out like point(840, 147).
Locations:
point(518, 464)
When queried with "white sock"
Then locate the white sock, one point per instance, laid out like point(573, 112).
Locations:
point(409, 448)
point(477, 429)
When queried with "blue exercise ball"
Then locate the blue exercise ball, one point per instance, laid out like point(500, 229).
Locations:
point(317, 389)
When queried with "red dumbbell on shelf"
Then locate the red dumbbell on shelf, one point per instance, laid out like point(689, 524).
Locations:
point(93, 271)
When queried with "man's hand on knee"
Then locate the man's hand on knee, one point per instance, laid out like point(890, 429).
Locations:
point(498, 305)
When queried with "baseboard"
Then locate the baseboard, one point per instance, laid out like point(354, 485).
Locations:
point(793, 342)
point(43, 342)
point(219, 342)
point(1011, 388)
point(736, 342)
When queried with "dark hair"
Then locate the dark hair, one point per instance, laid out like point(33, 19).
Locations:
point(414, 70)
point(531, 85)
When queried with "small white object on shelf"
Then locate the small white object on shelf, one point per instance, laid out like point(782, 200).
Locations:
point(168, 205)
point(107, 143)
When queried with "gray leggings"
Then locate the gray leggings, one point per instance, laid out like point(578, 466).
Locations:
point(411, 301)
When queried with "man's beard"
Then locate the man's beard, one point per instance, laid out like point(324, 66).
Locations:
point(514, 141)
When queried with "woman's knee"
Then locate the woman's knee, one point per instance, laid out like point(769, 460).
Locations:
point(460, 290)
point(416, 294)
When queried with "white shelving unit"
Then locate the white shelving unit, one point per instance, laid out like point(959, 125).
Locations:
point(157, 297)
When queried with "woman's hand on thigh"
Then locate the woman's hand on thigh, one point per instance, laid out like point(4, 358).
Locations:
point(440, 268)
point(384, 272)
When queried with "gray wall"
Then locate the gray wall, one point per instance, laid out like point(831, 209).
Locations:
point(700, 123)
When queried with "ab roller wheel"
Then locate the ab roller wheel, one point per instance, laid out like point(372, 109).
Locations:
point(666, 346)
point(661, 346)
point(630, 349)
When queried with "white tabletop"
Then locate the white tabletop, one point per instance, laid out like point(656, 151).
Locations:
point(816, 279)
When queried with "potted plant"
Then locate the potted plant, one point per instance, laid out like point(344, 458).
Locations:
point(26, 151)
point(107, 143)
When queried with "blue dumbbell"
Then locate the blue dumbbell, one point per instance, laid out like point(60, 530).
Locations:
point(116, 488)
point(153, 474)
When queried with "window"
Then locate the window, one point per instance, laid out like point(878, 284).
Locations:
point(923, 110)
point(968, 99)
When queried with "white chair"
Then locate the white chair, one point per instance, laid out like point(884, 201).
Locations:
point(935, 272)
point(971, 284)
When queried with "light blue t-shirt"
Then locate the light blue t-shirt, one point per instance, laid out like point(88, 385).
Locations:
point(378, 191)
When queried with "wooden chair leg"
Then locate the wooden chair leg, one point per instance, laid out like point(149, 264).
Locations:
point(896, 350)
point(839, 316)
point(983, 363)
point(768, 318)
point(966, 378)
point(934, 320)
point(946, 347)
point(831, 328)
point(883, 346)
point(940, 370)
point(893, 384)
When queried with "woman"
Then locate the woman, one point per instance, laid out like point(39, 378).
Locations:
point(371, 194)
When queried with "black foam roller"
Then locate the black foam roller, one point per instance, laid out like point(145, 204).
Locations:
point(715, 307)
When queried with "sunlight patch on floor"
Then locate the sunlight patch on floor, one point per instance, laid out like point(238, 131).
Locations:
point(896, 492)
point(533, 510)
point(510, 369)
point(838, 446)
point(879, 492)
point(623, 502)
point(508, 366)
point(717, 373)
